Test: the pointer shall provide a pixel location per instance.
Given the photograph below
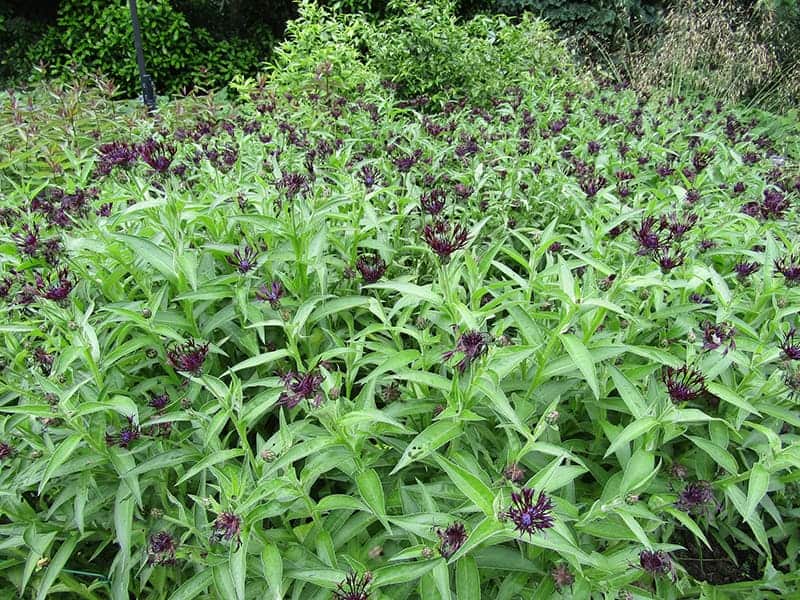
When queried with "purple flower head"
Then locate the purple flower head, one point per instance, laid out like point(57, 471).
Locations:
point(226, 527)
point(752, 209)
point(126, 436)
point(789, 267)
point(28, 241)
point(706, 244)
point(774, 204)
point(369, 175)
point(593, 147)
point(557, 126)
point(678, 226)
point(433, 202)
point(668, 258)
point(158, 401)
point(750, 158)
point(405, 163)
point(293, 184)
point(696, 497)
point(528, 516)
point(701, 159)
point(739, 187)
point(790, 345)
point(555, 247)
point(468, 147)
point(649, 240)
point(157, 155)
point(451, 539)
point(371, 266)
point(445, 238)
point(744, 269)
point(300, 386)
point(562, 577)
point(463, 191)
point(473, 344)
point(684, 384)
point(57, 290)
point(353, 587)
point(271, 293)
point(656, 562)
point(696, 298)
point(664, 170)
point(6, 451)
point(244, 259)
point(716, 335)
point(116, 154)
point(188, 357)
point(161, 549)
point(592, 185)
point(104, 210)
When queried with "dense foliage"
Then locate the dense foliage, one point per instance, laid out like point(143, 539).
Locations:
point(324, 340)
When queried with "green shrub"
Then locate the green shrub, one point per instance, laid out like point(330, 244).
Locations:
point(426, 50)
point(97, 36)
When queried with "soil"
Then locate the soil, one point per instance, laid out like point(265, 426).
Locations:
point(714, 566)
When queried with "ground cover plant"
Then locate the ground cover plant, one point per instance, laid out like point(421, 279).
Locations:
point(317, 339)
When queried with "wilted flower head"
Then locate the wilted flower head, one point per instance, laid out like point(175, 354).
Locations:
point(44, 359)
point(371, 266)
point(161, 549)
point(696, 497)
point(790, 345)
point(528, 516)
point(271, 293)
point(718, 334)
point(473, 344)
point(514, 473)
point(6, 451)
point(445, 238)
point(188, 357)
point(656, 562)
point(353, 587)
point(451, 539)
point(301, 386)
point(562, 576)
point(244, 259)
point(226, 527)
point(789, 267)
point(684, 384)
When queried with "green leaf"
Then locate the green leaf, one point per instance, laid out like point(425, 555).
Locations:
point(272, 568)
point(634, 430)
point(194, 587)
point(408, 289)
point(728, 395)
point(428, 440)
point(468, 580)
point(59, 457)
point(371, 490)
point(630, 395)
point(155, 256)
point(56, 564)
point(687, 522)
point(401, 572)
point(469, 485)
point(261, 359)
point(638, 470)
point(583, 360)
point(720, 456)
point(756, 489)
point(209, 461)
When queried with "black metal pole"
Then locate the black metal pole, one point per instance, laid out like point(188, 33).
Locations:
point(148, 93)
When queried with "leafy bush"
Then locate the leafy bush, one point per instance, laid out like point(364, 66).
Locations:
point(97, 36)
point(316, 340)
point(426, 51)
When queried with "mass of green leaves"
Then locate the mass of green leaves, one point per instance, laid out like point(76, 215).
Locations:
point(282, 235)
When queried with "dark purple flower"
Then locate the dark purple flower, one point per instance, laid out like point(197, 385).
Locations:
point(701, 159)
point(293, 184)
point(300, 386)
point(404, 163)
point(226, 527)
point(557, 125)
point(158, 401)
point(353, 587)
point(664, 170)
point(126, 436)
point(790, 346)
point(188, 357)
point(678, 226)
point(157, 155)
point(744, 269)
point(463, 191)
point(656, 562)
point(668, 258)
point(696, 497)
point(593, 147)
point(750, 158)
point(555, 248)
point(739, 187)
point(161, 549)
point(244, 259)
point(789, 267)
point(473, 344)
point(44, 359)
point(467, 147)
point(371, 266)
point(528, 516)
point(591, 185)
point(104, 210)
point(271, 293)
point(451, 539)
point(28, 241)
point(57, 290)
point(716, 335)
point(706, 244)
point(649, 240)
point(696, 298)
point(774, 204)
point(562, 577)
point(433, 202)
point(684, 384)
point(6, 451)
point(369, 176)
point(445, 238)
point(752, 209)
